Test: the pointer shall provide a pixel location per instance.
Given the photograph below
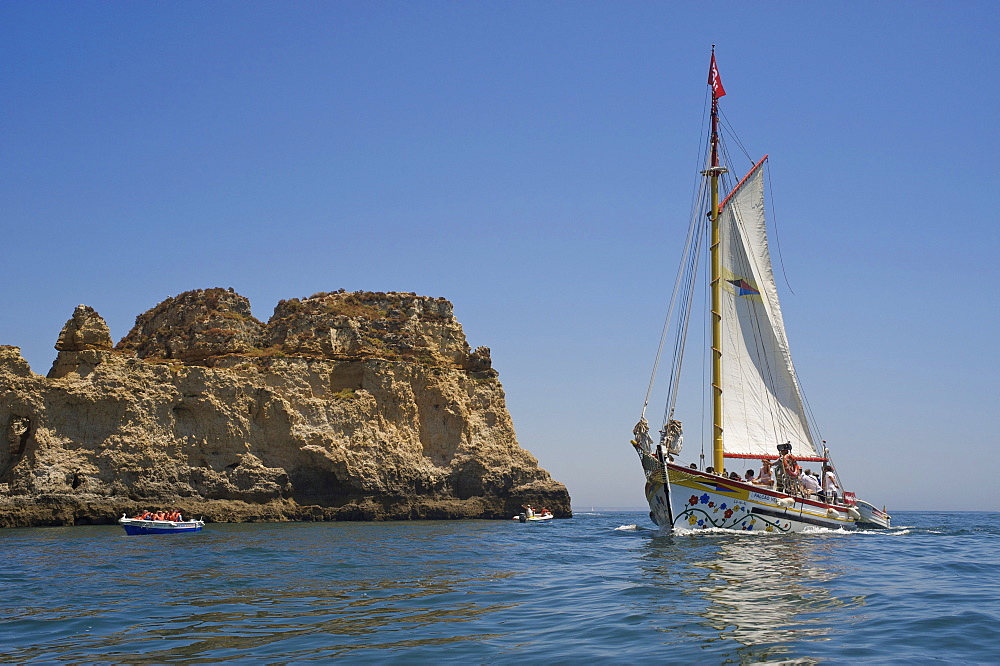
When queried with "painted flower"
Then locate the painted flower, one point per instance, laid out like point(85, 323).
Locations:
point(693, 500)
point(692, 520)
point(722, 506)
point(704, 499)
point(728, 513)
point(711, 504)
point(769, 528)
point(701, 523)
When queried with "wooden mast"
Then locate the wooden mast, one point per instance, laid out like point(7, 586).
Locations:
point(713, 172)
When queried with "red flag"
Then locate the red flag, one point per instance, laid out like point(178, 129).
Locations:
point(714, 80)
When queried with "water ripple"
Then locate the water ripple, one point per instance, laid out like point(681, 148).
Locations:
point(603, 587)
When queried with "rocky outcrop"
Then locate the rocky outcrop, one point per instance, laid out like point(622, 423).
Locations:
point(85, 330)
point(194, 326)
point(343, 406)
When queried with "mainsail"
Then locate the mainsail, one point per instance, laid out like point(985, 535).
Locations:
point(762, 403)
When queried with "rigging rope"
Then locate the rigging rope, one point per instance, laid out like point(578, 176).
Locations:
point(679, 282)
point(683, 279)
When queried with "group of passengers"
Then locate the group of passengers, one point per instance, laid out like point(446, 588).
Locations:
point(793, 480)
point(174, 516)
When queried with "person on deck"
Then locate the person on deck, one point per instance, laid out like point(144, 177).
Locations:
point(830, 486)
point(765, 478)
point(809, 483)
point(750, 476)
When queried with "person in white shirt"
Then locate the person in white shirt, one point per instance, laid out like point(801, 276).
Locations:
point(809, 482)
point(830, 486)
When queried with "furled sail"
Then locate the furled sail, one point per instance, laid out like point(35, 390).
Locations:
point(762, 403)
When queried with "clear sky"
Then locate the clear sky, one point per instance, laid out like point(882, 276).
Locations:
point(533, 162)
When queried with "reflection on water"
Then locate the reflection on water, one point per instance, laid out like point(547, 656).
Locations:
point(598, 588)
point(331, 591)
point(761, 591)
point(264, 622)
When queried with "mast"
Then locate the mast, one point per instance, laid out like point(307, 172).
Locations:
point(713, 172)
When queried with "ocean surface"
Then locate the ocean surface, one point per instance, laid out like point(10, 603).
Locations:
point(602, 587)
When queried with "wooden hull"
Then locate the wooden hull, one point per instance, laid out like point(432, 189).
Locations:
point(699, 500)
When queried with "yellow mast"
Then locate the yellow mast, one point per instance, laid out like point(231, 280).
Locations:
point(718, 457)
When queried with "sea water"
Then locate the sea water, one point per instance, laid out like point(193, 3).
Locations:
point(605, 587)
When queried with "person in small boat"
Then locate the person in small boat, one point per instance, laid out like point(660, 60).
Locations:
point(810, 485)
point(528, 511)
point(765, 478)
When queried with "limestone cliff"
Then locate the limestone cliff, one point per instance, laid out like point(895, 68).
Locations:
point(342, 406)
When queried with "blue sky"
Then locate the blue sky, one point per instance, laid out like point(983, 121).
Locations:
point(534, 164)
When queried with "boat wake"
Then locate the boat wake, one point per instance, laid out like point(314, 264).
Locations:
point(810, 531)
point(680, 531)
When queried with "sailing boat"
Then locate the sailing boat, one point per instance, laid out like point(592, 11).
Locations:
point(758, 410)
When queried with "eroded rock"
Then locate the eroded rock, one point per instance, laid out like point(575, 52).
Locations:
point(343, 406)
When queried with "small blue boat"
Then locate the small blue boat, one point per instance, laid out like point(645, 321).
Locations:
point(139, 526)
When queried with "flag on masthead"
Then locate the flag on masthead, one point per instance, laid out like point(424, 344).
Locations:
point(714, 80)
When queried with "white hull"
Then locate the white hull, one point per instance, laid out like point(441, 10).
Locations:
point(534, 519)
point(698, 500)
point(872, 518)
point(135, 526)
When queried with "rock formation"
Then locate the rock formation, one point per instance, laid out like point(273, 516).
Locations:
point(343, 406)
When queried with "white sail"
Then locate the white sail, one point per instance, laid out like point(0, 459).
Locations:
point(761, 401)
